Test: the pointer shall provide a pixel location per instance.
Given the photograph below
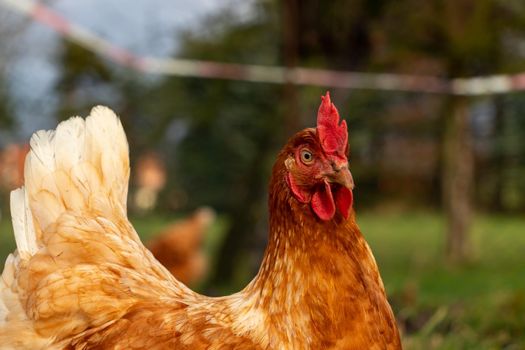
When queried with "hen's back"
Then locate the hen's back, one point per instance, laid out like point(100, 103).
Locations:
point(79, 264)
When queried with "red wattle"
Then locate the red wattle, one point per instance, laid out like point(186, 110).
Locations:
point(323, 202)
point(344, 199)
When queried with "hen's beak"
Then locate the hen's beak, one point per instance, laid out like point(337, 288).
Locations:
point(341, 175)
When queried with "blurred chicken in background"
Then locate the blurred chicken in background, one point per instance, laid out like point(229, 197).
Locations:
point(150, 173)
point(179, 246)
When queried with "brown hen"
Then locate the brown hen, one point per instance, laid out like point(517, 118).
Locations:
point(81, 278)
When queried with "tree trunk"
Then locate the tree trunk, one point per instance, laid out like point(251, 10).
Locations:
point(498, 161)
point(231, 262)
point(458, 171)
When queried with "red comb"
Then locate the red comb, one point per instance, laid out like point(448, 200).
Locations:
point(333, 136)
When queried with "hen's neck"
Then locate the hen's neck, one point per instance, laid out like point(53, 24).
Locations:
point(309, 266)
point(301, 246)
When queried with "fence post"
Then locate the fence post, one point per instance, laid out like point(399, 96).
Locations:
point(458, 178)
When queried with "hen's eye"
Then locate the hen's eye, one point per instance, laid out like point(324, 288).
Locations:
point(306, 156)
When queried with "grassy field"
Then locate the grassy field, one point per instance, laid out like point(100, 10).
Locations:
point(480, 305)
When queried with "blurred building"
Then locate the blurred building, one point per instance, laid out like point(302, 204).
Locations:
point(12, 159)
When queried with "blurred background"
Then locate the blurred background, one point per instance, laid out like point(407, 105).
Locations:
point(439, 164)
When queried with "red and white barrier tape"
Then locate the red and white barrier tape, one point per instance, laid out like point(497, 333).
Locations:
point(265, 74)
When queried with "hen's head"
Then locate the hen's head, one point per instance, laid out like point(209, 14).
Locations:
point(317, 165)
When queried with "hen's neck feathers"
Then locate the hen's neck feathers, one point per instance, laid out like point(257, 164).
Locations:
point(311, 269)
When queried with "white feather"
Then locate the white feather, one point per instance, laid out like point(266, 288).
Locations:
point(5, 282)
point(41, 160)
point(108, 148)
point(23, 224)
point(69, 142)
point(83, 165)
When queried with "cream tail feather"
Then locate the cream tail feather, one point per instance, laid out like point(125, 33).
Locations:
point(71, 169)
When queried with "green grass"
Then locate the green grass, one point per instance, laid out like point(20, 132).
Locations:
point(480, 305)
point(410, 249)
point(7, 242)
